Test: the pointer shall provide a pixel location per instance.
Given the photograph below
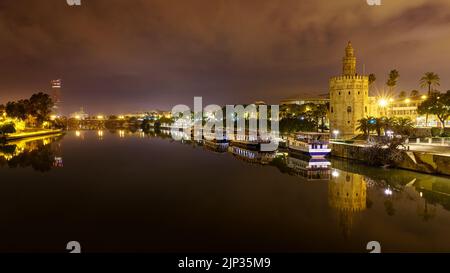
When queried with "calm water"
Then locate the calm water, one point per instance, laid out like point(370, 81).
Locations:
point(118, 191)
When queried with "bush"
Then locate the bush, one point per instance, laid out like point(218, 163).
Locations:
point(435, 132)
point(7, 128)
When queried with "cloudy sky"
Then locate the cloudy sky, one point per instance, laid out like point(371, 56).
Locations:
point(128, 55)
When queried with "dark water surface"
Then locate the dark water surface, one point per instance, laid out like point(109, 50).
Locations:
point(124, 192)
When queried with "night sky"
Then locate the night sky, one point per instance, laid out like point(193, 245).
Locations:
point(119, 56)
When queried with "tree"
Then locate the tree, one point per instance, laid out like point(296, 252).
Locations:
point(372, 78)
point(402, 95)
point(7, 128)
point(392, 80)
point(41, 106)
point(414, 93)
point(437, 104)
point(319, 113)
point(403, 126)
point(363, 126)
point(430, 80)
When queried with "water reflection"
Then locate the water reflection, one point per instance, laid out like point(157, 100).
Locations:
point(331, 197)
point(41, 153)
point(347, 195)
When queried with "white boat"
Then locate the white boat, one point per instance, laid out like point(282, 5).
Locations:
point(312, 144)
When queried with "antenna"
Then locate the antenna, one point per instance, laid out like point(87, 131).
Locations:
point(364, 69)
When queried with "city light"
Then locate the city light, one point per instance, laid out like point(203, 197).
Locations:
point(121, 117)
point(77, 117)
point(407, 100)
point(388, 191)
point(383, 102)
point(335, 173)
point(99, 117)
point(335, 133)
point(424, 97)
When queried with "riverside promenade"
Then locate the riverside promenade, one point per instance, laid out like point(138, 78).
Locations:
point(30, 134)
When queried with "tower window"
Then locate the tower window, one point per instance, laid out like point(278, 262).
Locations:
point(349, 92)
point(359, 93)
point(339, 93)
point(332, 109)
point(365, 108)
point(349, 109)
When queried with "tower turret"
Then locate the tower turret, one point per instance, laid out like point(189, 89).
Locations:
point(349, 61)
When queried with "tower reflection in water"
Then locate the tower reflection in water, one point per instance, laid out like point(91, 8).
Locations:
point(347, 193)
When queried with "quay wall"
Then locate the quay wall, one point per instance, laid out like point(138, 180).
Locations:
point(415, 161)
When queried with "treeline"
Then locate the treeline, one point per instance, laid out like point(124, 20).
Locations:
point(34, 110)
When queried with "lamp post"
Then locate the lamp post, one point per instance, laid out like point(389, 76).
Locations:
point(335, 133)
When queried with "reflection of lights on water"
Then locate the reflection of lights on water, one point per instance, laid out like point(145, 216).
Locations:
point(421, 194)
point(78, 133)
point(388, 191)
point(100, 133)
point(335, 173)
point(121, 133)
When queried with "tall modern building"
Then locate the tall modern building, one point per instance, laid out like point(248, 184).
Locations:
point(349, 97)
point(56, 95)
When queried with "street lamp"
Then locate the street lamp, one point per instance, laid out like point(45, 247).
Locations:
point(335, 133)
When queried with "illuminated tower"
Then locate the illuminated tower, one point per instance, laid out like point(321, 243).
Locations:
point(349, 97)
point(56, 95)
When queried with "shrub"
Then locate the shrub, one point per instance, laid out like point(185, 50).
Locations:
point(7, 128)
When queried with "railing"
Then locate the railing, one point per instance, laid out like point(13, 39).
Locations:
point(436, 141)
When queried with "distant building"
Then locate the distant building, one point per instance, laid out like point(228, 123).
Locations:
point(56, 95)
point(81, 115)
point(320, 99)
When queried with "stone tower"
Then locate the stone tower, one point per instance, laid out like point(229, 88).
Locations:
point(349, 98)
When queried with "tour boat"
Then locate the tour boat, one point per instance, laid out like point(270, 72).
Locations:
point(253, 143)
point(312, 144)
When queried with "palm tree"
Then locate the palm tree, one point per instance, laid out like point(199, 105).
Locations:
point(379, 125)
point(372, 78)
point(364, 126)
point(430, 80)
point(392, 80)
point(404, 126)
point(402, 95)
point(389, 123)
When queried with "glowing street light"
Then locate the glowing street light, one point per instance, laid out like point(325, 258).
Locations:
point(335, 133)
point(424, 97)
point(407, 100)
point(383, 102)
point(388, 191)
point(335, 173)
point(99, 117)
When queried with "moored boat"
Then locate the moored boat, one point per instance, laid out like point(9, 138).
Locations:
point(312, 144)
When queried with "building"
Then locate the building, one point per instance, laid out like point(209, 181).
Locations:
point(350, 102)
point(349, 97)
point(56, 95)
point(321, 99)
point(80, 115)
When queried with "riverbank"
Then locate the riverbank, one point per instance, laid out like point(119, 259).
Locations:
point(418, 161)
point(29, 134)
